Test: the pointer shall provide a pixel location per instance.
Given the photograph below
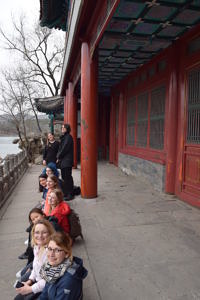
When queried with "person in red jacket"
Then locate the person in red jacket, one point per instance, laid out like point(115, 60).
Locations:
point(59, 209)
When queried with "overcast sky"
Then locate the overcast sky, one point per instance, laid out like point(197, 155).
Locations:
point(15, 8)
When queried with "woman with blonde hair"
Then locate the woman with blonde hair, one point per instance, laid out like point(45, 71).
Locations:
point(52, 183)
point(59, 209)
point(62, 272)
point(32, 288)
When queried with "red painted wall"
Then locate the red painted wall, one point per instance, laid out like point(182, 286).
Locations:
point(173, 155)
point(188, 155)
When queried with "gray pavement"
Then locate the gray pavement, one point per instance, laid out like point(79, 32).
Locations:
point(138, 244)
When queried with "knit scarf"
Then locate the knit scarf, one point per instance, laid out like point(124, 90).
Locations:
point(50, 274)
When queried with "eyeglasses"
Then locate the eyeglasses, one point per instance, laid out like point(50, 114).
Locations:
point(41, 232)
point(52, 197)
point(55, 250)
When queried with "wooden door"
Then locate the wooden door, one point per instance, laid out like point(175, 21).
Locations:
point(191, 155)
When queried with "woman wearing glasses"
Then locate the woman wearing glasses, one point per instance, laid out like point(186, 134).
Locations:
point(32, 288)
point(63, 273)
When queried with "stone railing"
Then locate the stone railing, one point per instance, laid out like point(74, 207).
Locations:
point(11, 170)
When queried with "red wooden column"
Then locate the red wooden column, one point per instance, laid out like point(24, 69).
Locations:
point(88, 123)
point(72, 118)
point(111, 133)
point(121, 122)
point(66, 107)
point(74, 131)
point(181, 120)
point(171, 123)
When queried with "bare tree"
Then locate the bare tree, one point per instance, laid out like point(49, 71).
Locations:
point(42, 54)
point(36, 73)
point(13, 105)
point(29, 90)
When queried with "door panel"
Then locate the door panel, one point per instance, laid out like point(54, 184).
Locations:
point(191, 175)
point(191, 155)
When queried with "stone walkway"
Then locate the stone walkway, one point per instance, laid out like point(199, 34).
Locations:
point(138, 244)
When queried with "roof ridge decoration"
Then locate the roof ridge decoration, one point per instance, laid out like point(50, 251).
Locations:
point(48, 105)
point(54, 13)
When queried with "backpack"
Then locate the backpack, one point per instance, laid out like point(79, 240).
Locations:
point(76, 190)
point(74, 225)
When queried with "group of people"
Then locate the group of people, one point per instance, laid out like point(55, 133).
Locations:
point(63, 155)
point(52, 272)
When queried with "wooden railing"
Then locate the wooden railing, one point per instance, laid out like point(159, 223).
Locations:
point(11, 170)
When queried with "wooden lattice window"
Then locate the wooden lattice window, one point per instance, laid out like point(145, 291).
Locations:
point(152, 71)
point(142, 120)
point(162, 65)
point(194, 46)
point(193, 116)
point(157, 117)
point(131, 121)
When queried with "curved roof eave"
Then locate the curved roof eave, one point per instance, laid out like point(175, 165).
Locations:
point(74, 20)
point(50, 104)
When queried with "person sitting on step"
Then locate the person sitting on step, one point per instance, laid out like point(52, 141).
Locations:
point(52, 183)
point(62, 272)
point(32, 287)
point(59, 209)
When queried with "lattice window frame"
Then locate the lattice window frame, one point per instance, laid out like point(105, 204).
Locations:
point(142, 119)
point(193, 107)
point(142, 114)
point(157, 118)
point(131, 121)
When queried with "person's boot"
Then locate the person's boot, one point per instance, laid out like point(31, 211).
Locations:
point(68, 197)
point(23, 256)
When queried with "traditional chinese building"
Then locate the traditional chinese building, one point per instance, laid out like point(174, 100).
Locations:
point(136, 66)
point(53, 107)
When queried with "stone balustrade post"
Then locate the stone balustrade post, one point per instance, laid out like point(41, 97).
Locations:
point(8, 177)
point(16, 160)
point(19, 164)
point(10, 170)
point(1, 183)
point(11, 163)
point(6, 167)
point(1, 172)
point(15, 168)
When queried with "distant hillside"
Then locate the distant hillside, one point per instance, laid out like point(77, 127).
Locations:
point(7, 126)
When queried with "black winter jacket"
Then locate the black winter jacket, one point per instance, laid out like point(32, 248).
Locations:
point(66, 151)
point(50, 152)
point(69, 286)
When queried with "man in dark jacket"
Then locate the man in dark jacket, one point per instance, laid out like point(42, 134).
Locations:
point(65, 161)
